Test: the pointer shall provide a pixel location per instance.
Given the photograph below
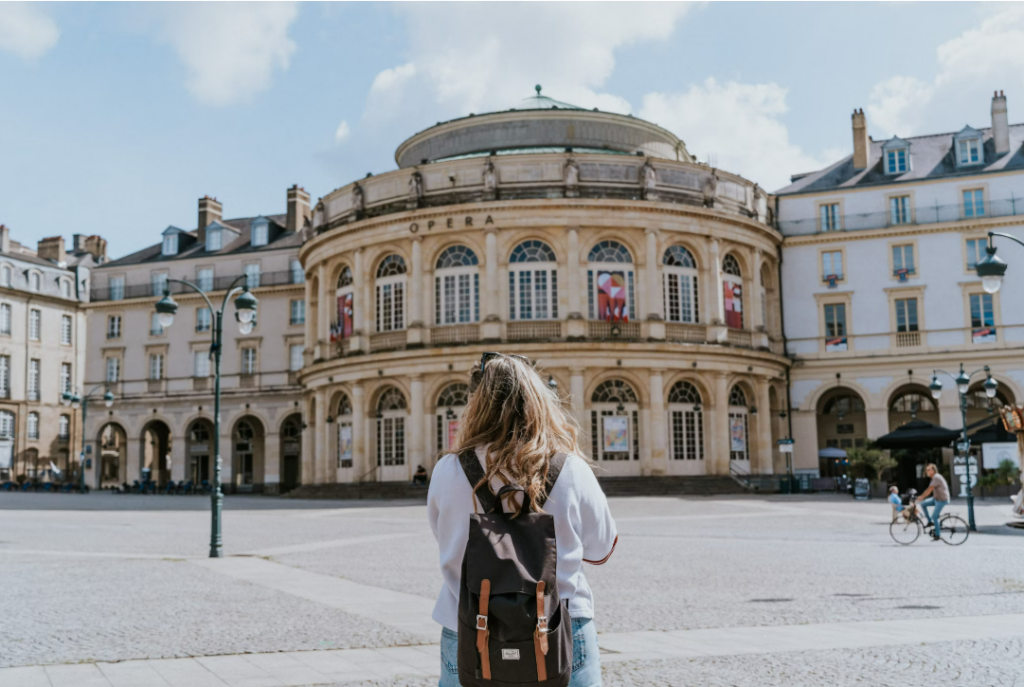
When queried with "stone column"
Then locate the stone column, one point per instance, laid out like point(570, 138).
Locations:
point(271, 463)
point(415, 443)
point(490, 330)
point(577, 325)
point(805, 440)
point(765, 448)
point(306, 475)
point(133, 459)
point(370, 305)
point(310, 351)
point(657, 439)
point(655, 293)
point(323, 315)
point(320, 457)
point(359, 304)
point(577, 399)
point(719, 444)
point(714, 303)
point(359, 459)
point(414, 333)
point(877, 420)
point(178, 460)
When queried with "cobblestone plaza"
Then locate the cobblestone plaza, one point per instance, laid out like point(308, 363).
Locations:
point(808, 590)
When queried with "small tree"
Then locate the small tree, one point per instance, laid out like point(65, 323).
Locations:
point(1006, 473)
point(870, 463)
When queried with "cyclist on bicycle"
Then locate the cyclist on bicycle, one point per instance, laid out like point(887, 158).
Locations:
point(940, 499)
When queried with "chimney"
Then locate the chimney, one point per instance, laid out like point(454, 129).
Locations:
point(5, 239)
point(1000, 125)
point(861, 141)
point(298, 208)
point(210, 210)
point(97, 247)
point(52, 248)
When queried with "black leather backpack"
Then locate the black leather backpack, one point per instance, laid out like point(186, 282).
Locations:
point(513, 628)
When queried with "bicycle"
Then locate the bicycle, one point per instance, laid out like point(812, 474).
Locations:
point(907, 527)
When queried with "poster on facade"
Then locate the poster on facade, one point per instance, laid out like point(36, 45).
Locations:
point(345, 443)
point(983, 335)
point(611, 297)
point(342, 328)
point(992, 454)
point(616, 433)
point(453, 430)
point(737, 434)
point(733, 298)
point(835, 344)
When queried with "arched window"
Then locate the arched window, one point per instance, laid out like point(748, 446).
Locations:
point(686, 430)
point(450, 403)
point(732, 292)
point(5, 275)
point(345, 315)
point(391, 414)
point(739, 426)
point(614, 421)
point(533, 286)
point(610, 282)
point(456, 286)
point(912, 403)
point(391, 294)
point(680, 284)
point(344, 423)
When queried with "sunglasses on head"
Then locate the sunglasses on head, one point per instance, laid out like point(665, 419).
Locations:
point(491, 354)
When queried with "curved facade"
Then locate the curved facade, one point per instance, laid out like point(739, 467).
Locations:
point(645, 288)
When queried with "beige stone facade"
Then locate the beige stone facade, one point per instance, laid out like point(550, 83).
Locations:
point(413, 274)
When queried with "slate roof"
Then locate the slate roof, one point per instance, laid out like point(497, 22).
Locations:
point(931, 158)
point(279, 238)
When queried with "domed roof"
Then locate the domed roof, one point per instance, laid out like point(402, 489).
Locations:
point(542, 102)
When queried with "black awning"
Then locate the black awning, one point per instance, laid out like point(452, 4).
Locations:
point(992, 433)
point(918, 434)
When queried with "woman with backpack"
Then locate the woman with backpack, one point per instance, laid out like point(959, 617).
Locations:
point(516, 511)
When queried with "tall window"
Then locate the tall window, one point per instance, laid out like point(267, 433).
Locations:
point(158, 282)
point(974, 203)
point(204, 319)
point(5, 275)
point(835, 319)
point(391, 414)
point(344, 424)
point(975, 251)
point(982, 313)
point(903, 259)
point(204, 277)
point(113, 326)
point(456, 286)
point(155, 328)
point(65, 378)
point(200, 363)
point(298, 275)
point(295, 352)
point(896, 161)
point(65, 329)
point(686, 422)
point(33, 426)
point(614, 421)
point(6, 424)
point(450, 403)
point(732, 291)
point(906, 314)
point(5, 318)
point(113, 370)
point(832, 264)
point(156, 366)
point(899, 210)
point(344, 322)
point(33, 379)
point(248, 361)
point(610, 282)
point(297, 311)
point(830, 217)
point(680, 285)
point(252, 275)
point(35, 281)
point(116, 288)
point(532, 282)
point(64, 428)
point(5, 376)
point(35, 324)
point(391, 294)
point(739, 426)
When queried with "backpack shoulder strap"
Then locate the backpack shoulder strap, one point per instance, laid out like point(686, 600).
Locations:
point(474, 473)
point(555, 464)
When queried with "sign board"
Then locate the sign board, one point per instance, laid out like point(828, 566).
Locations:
point(344, 442)
point(960, 468)
point(737, 433)
point(861, 488)
point(616, 434)
point(993, 454)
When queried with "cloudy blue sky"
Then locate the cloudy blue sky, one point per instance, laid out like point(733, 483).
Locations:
point(116, 117)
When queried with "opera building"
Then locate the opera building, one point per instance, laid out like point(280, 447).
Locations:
point(644, 284)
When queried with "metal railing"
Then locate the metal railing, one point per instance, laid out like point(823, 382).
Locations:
point(265, 279)
point(927, 214)
point(908, 339)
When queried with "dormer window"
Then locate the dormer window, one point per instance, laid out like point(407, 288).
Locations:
point(214, 240)
point(170, 246)
point(896, 156)
point(260, 231)
point(968, 147)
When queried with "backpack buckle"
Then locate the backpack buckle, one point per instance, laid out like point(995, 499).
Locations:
point(481, 622)
point(542, 623)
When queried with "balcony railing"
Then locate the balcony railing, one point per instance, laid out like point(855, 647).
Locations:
point(293, 378)
point(248, 380)
point(613, 330)
point(219, 284)
point(927, 214)
point(154, 386)
point(200, 383)
point(678, 332)
point(451, 334)
point(739, 337)
point(537, 330)
point(908, 339)
point(387, 341)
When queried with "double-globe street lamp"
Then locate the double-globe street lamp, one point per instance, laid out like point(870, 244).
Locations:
point(245, 313)
point(74, 401)
point(963, 385)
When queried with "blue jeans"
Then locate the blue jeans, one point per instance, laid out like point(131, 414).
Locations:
point(933, 518)
point(586, 661)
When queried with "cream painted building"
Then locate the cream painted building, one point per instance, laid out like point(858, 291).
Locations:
point(879, 287)
point(161, 425)
point(643, 283)
point(42, 354)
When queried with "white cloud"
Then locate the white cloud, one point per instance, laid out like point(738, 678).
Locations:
point(231, 51)
point(25, 30)
point(479, 57)
point(969, 68)
point(737, 125)
point(342, 132)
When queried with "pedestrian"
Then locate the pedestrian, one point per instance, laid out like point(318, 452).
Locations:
point(940, 500)
point(419, 478)
point(514, 433)
point(896, 501)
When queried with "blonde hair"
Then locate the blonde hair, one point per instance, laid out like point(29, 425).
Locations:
point(521, 420)
point(933, 466)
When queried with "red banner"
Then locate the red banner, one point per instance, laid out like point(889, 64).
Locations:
point(611, 297)
point(733, 295)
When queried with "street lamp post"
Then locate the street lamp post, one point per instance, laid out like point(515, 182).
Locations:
point(963, 385)
point(245, 306)
point(74, 400)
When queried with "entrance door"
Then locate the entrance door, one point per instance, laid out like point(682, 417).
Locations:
point(290, 472)
point(243, 478)
point(391, 447)
point(199, 468)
